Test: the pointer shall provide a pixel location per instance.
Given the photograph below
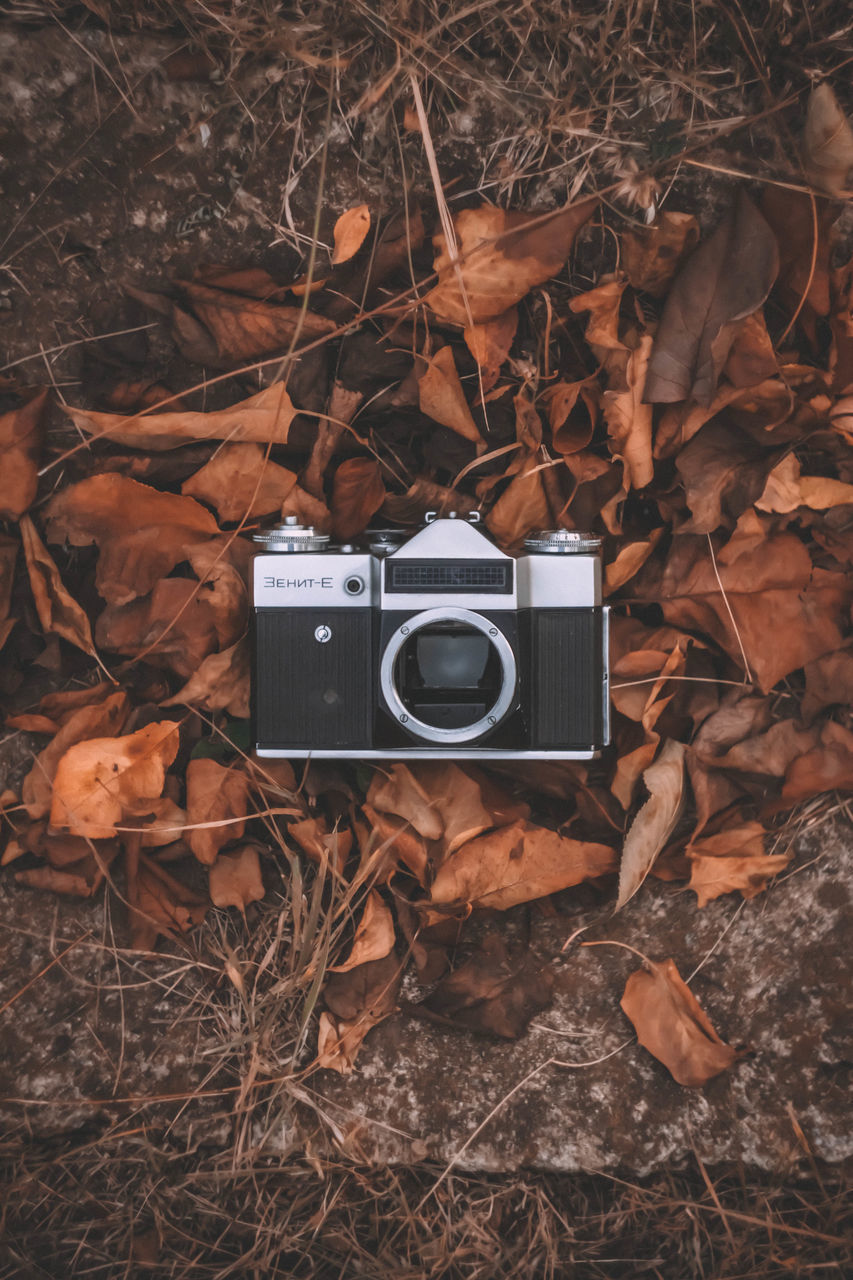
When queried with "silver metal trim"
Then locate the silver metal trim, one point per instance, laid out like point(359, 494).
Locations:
point(291, 537)
point(398, 708)
point(420, 753)
point(605, 675)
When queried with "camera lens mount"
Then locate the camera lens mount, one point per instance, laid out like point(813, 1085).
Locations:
point(469, 621)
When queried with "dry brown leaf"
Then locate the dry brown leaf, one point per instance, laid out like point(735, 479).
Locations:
point(20, 449)
point(629, 560)
point(723, 473)
point(241, 482)
point(770, 588)
point(827, 142)
point(106, 717)
point(103, 781)
point(655, 822)
point(58, 612)
point(307, 509)
point(570, 432)
point(516, 864)
point(324, 846)
point(602, 304)
point(501, 257)
point(442, 397)
point(652, 255)
point(215, 795)
point(163, 905)
point(142, 533)
point(68, 882)
point(443, 802)
point(521, 508)
point(358, 1000)
point(786, 489)
point(492, 993)
point(829, 682)
point(726, 279)
point(349, 233)
point(8, 556)
point(374, 937)
point(401, 841)
point(244, 328)
point(770, 752)
point(220, 683)
point(357, 494)
point(166, 826)
point(828, 767)
point(673, 1027)
point(751, 359)
point(234, 879)
point(180, 623)
point(732, 860)
point(629, 419)
point(490, 343)
point(264, 418)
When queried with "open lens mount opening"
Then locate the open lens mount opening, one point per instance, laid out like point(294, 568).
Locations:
point(448, 675)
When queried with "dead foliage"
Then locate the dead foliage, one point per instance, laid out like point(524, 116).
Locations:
point(690, 402)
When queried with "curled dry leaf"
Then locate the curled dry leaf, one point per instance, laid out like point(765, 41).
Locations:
point(163, 905)
point(629, 419)
point(751, 359)
point(490, 343)
point(521, 508)
point(492, 993)
point(20, 450)
point(357, 1001)
point(671, 1024)
point(244, 328)
point(442, 397)
point(727, 278)
point(572, 431)
point(628, 561)
point(733, 859)
point(8, 556)
point(220, 683)
point(324, 846)
point(106, 717)
point(516, 864)
point(357, 494)
point(217, 800)
point(234, 879)
point(240, 482)
point(374, 937)
point(652, 255)
point(501, 257)
point(443, 802)
point(827, 767)
point(141, 533)
point(104, 781)
point(786, 489)
point(723, 473)
point(827, 142)
point(264, 418)
point(400, 840)
point(655, 822)
point(350, 230)
point(58, 612)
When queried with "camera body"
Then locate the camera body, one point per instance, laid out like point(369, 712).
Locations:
point(437, 645)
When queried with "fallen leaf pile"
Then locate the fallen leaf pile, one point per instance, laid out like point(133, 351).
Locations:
point(694, 408)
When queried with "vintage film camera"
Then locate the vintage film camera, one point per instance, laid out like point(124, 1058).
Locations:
point(429, 646)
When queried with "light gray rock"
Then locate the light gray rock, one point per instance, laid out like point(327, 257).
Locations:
point(775, 977)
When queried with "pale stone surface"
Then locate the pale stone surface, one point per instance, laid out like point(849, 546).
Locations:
point(777, 981)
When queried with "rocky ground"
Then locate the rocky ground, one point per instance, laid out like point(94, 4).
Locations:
point(126, 159)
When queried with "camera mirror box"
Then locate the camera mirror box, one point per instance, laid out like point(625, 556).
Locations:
point(431, 645)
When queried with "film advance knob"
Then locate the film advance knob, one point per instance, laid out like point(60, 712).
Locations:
point(291, 536)
point(562, 542)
